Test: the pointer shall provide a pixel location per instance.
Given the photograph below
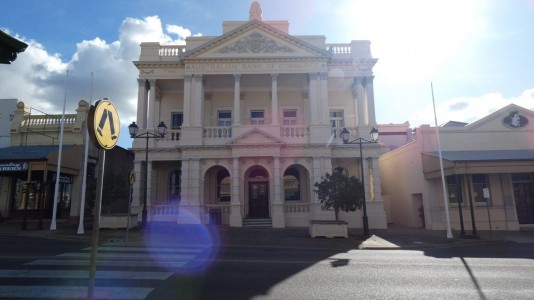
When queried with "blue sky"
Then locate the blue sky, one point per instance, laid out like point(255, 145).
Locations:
point(478, 54)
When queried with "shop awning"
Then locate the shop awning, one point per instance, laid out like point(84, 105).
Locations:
point(43, 157)
point(482, 155)
point(478, 161)
point(28, 152)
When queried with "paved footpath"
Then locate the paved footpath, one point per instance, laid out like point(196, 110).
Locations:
point(391, 238)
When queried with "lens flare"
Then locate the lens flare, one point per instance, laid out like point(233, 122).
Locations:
point(189, 247)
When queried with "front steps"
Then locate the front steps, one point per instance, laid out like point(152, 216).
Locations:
point(264, 223)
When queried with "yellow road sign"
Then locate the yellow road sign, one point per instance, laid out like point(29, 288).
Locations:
point(132, 177)
point(104, 125)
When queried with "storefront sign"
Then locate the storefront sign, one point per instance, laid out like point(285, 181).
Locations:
point(14, 167)
point(63, 178)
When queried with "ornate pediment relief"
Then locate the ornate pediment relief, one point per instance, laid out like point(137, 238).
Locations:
point(256, 137)
point(255, 39)
point(255, 42)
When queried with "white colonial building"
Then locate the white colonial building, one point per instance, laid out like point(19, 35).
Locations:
point(253, 118)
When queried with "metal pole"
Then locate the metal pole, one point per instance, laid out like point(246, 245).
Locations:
point(144, 213)
point(365, 219)
point(58, 170)
point(96, 225)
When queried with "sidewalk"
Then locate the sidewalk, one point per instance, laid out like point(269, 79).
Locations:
point(391, 238)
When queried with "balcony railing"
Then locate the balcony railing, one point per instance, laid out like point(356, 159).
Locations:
point(218, 132)
point(179, 50)
point(172, 50)
point(294, 131)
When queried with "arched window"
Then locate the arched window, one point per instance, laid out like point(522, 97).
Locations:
point(223, 186)
point(291, 185)
point(174, 185)
point(339, 170)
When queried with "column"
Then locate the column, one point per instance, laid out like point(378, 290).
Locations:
point(312, 95)
point(274, 99)
point(278, 215)
point(236, 220)
point(370, 100)
point(323, 107)
point(237, 100)
point(375, 206)
point(136, 194)
point(142, 103)
point(187, 100)
point(197, 101)
point(355, 102)
point(360, 99)
point(151, 104)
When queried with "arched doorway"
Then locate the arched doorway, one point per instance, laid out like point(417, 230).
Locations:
point(258, 194)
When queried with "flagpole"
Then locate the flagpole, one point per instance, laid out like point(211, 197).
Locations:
point(445, 202)
point(58, 170)
point(85, 158)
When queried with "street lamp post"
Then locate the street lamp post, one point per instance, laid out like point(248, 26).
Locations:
point(133, 129)
point(345, 135)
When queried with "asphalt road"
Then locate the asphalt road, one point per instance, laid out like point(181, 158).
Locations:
point(35, 268)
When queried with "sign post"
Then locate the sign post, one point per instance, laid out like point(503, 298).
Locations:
point(104, 129)
point(131, 179)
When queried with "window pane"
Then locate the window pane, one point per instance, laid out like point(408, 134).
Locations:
point(225, 115)
point(454, 188)
point(256, 114)
point(290, 113)
point(177, 120)
point(291, 185)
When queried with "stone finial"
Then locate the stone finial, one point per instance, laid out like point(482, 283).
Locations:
point(255, 11)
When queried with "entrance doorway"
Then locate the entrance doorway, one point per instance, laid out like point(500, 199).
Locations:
point(258, 200)
point(524, 197)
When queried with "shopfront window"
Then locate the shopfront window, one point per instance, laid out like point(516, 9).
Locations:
point(454, 188)
point(30, 196)
point(480, 182)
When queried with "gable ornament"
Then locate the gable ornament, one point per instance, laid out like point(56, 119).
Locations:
point(255, 43)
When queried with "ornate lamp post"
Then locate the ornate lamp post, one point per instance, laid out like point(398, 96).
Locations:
point(345, 135)
point(133, 129)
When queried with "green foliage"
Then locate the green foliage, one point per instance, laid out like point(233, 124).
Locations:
point(339, 192)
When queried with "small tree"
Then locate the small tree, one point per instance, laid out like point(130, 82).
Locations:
point(339, 192)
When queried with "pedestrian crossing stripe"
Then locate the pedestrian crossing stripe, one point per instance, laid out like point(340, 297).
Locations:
point(149, 250)
point(125, 256)
point(84, 274)
point(73, 292)
point(144, 259)
point(101, 262)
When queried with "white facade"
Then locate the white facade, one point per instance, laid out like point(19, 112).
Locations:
point(7, 113)
point(488, 167)
point(254, 117)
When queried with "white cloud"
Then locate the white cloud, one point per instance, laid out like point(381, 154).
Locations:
point(469, 109)
point(38, 78)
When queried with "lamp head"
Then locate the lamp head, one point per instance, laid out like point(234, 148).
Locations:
point(374, 134)
point(132, 129)
point(345, 134)
point(162, 129)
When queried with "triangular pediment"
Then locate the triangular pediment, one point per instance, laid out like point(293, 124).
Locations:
point(257, 40)
point(509, 117)
point(256, 137)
